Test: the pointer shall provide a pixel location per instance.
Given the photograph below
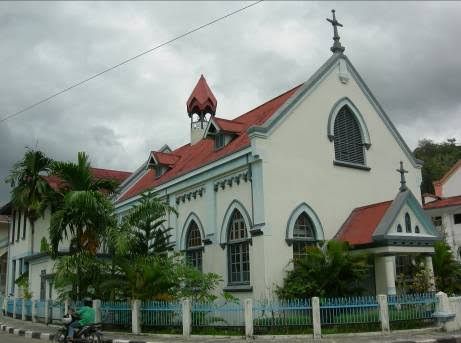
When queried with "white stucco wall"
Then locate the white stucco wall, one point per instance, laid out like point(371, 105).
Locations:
point(452, 230)
point(452, 186)
point(298, 167)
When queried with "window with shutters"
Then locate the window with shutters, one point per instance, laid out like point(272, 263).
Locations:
point(303, 236)
point(194, 247)
point(238, 251)
point(348, 142)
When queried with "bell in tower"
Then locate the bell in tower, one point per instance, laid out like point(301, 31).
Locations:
point(201, 103)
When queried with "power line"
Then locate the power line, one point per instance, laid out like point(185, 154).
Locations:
point(24, 109)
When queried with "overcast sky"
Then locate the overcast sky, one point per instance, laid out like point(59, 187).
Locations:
point(406, 52)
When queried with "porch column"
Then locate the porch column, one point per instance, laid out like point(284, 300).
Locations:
point(385, 274)
point(430, 270)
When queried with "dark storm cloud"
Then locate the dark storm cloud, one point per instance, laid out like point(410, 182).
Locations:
point(406, 52)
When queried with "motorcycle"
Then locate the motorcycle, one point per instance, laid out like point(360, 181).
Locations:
point(86, 334)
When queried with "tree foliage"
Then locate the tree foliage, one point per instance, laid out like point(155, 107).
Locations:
point(438, 159)
point(447, 270)
point(331, 270)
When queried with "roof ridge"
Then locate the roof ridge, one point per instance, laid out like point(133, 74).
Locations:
point(450, 172)
point(115, 170)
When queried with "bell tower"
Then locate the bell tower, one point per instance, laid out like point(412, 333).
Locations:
point(201, 103)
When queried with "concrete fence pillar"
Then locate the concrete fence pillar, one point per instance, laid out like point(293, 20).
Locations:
point(5, 304)
point(249, 318)
point(34, 311)
point(23, 309)
point(97, 311)
point(47, 312)
point(136, 317)
point(316, 321)
point(383, 308)
point(14, 308)
point(186, 318)
point(443, 312)
point(66, 306)
point(430, 270)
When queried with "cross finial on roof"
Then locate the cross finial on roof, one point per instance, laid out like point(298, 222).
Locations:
point(336, 48)
point(403, 182)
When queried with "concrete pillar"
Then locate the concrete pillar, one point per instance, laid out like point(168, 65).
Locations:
point(97, 311)
point(443, 312)
point(186, 318)
point(430, 270)
point(316, 324)
point(383, 313)
point(385, 275)
point(66, 306)
point(34, 311)
point(249, 318)
point(136, 317)
point(23, 309)
point(14, 308)
point(47, 312)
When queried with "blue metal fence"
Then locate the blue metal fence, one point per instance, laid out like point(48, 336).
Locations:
point(161, 313)
point(285, 313)
point(215, 314)
point(28, 308)
point(18, 308)
point(116, 313)
point(9, 306)
point(411, 306)
point(41, 310)
point(349, 310)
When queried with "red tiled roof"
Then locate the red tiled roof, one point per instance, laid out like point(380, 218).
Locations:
point(98, 173)
point(444, 202)
point(165, 158)
point(229, 125)
point(438, 184)
point(362, 222)
point(202, 99)
point(194, 156)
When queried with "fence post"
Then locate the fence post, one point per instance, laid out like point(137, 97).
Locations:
point(136, 317)
point(34, 311)
point(23, 310)
point(66, 306)
point(316, 324)
point(14, 308)
point(97, 311)
point(443, 312)
point(47, 311)
point(249, 318)
point(5, 305)
point(186, 318)
point(383, 313)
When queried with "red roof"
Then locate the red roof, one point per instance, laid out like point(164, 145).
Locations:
point(229, 125)
point(438, 184)
point(362, 222)
point(203, 152)
point(202, 99)
point(444, 202)
point(165, 158)
point(98, 173)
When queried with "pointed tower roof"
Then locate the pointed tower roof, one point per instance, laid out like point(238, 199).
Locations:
point(202, 99)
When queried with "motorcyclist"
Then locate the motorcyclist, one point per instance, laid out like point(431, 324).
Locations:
point(86, 317)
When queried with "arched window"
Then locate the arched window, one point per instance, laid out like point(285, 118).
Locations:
point(194, 247)
point(303, 235)
point(416, 229)
point(407, 223)
point(399, 228)
point(238, 250)
point(348, 138)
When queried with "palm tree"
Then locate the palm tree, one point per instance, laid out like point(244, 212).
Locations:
point(31, 192)
point(84, 211)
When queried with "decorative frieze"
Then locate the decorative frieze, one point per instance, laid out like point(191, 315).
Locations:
point(192, 195)
point(232, 180)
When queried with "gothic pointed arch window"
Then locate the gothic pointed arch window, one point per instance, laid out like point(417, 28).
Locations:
point(194, 247)
point(238, 250)
point(303, 235)
point(407, 223)
point(348, 142)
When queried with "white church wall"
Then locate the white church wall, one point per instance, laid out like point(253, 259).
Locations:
point(452, 186)
point(298, 166)
point(35, 269)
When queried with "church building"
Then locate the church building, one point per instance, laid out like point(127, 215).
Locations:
point(315, 163)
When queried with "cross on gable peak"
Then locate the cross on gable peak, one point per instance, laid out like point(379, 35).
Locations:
point(403, 182)
point(336, 48)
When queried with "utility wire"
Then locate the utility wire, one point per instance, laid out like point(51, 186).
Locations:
point(27, 108)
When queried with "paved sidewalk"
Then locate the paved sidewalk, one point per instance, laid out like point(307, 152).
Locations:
point(45, 332)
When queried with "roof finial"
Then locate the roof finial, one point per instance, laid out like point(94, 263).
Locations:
point(336, 48)
point(403, 182)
